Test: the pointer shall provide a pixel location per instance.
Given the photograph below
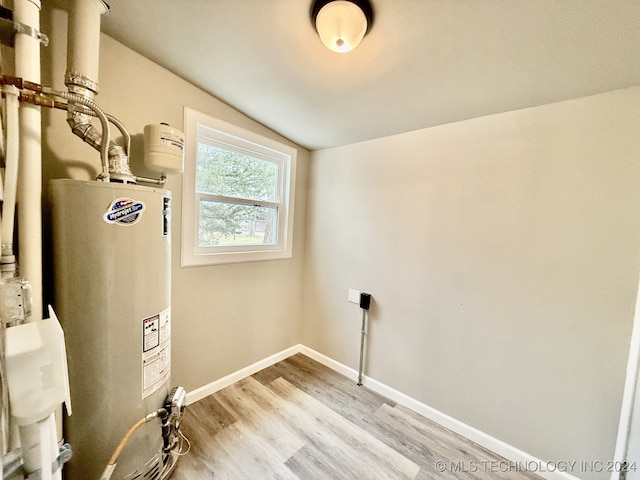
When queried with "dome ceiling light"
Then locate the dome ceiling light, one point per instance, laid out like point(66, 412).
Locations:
point(341, 24)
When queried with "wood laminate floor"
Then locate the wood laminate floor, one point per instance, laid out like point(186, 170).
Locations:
point(299, 420)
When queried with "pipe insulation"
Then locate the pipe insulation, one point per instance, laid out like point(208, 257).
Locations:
point(27, 66)
point(84, 45)
point(11, 177)
point(82, 127)
point(83, 54)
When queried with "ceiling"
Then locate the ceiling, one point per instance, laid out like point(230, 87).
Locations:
point(424, 62)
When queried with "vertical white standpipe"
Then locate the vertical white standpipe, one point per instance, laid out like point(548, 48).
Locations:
point(27, 65)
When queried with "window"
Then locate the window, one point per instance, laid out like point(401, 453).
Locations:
point(237, 194)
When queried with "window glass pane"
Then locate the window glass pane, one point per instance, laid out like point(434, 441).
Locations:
point(229, 224)
point(238, 194)
point(225, 172)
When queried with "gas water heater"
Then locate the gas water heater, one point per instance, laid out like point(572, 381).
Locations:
point(111, 245)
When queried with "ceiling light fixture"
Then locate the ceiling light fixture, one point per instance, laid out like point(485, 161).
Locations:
point(341, 24)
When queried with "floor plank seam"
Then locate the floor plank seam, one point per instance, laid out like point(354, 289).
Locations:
point(300, 420)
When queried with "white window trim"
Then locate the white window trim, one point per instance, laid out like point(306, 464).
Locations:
point(191, 254)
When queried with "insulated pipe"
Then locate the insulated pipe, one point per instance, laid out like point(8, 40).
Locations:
point(114, 157)
point(83, 53)
point(11, 179)
point(84, 45)
point(86, 131)
point(27, 66)
point(83, 57)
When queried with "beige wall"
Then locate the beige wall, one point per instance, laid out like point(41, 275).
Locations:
point(502, 254)
point(224, 317)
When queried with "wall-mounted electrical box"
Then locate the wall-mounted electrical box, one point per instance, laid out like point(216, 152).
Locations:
point(354, 296)
point(359, 298)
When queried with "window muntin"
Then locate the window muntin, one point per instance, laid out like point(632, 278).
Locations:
point(237, 194)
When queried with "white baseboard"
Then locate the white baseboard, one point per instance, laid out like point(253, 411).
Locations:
point(213, 387)
point(547, 470)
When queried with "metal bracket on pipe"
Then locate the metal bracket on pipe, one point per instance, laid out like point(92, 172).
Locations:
point(12, 465)
point(8, 29)
point(7, 25)
point(31, 32)
point(64, 455)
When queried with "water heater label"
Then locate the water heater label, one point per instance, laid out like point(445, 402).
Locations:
point(156, 352)
point(124, 211)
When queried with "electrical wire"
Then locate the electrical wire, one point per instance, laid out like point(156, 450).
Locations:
point(183, 438)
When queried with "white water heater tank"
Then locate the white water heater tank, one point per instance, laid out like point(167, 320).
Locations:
point(111, 246)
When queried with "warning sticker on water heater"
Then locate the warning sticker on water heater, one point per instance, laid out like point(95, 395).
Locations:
point(124, 211)
point(156, 352)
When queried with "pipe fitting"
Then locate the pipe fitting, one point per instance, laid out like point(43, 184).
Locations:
point(119, 165)
point(79, 84)
point(7, 260)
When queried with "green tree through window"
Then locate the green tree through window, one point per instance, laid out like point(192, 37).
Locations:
point(242, 192)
